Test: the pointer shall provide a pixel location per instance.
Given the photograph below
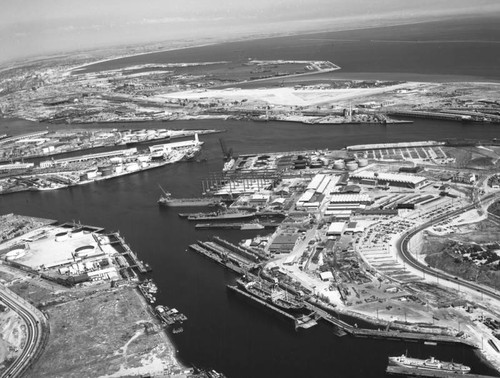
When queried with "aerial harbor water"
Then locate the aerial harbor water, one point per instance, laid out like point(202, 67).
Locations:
point(224, 331)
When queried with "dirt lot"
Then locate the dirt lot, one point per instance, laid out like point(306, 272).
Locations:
point(110, 333)
point(440, 257)
point(12, 336)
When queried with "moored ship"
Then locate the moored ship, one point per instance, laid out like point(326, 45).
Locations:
point(167, 200)
point(428, 364)
point(276, 297)
point(219, 215)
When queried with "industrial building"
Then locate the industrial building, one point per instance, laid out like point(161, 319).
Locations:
point(283, 243)
point(392, 179)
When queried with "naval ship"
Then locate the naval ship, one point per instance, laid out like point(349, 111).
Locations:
point(277, 297)
point(428, 364)
point(167, 200)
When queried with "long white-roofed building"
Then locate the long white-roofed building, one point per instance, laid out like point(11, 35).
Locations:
point(393, 179)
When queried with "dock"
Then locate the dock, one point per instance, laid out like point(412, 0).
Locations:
point(306, 321)
point(236, 226)
point(128, 254)
point(387, 333)
point(227, 263)
point(409, 372)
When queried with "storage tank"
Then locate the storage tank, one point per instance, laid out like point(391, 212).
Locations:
point(352, 166)
point(362, 162)
point(339, 164)
point(61, 236)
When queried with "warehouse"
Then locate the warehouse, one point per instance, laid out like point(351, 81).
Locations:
point(335, 229)
point(405, 181)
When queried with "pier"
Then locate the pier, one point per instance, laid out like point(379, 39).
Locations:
point(409, 372)
point(218, 259)
point(130, 256)
point(386, 333)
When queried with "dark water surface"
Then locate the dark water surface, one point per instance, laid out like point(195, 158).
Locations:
point(459, 49)
point(224, 331)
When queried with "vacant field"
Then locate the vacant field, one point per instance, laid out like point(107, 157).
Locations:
point(110, 333)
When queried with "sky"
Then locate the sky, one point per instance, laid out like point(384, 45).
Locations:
point(30, 28)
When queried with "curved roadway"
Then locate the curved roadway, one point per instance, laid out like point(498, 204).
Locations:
point(33, 333)
point(402, 248)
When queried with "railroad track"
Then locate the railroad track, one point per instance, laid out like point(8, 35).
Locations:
point(402, 248)
point(33, 333)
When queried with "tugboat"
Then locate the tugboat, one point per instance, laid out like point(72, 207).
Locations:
point(431, 364)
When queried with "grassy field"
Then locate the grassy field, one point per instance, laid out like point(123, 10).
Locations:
point(110, 333)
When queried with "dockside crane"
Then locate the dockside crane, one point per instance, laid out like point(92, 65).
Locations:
point(227, 154)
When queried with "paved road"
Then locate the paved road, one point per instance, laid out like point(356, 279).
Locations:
point(402, 248)
point(33, 332)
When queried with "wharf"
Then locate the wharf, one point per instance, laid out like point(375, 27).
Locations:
point(409, 372)
point(130, 256)
point(83, 227)
point(235, 226)
point(305, 322)
point(226, 262)
point(386, 333)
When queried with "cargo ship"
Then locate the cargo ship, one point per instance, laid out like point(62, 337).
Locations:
point(431, 364)
point(277, 297)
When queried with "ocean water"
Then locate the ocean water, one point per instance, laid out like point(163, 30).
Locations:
point(459, 49)
point(224, 331)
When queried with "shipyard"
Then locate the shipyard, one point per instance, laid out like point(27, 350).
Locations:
point(62, 172)
point(351, 234)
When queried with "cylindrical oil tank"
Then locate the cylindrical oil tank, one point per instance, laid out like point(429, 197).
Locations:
point(61, 236)
point(339, 164)
point(362, 162)
point(352, 166)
